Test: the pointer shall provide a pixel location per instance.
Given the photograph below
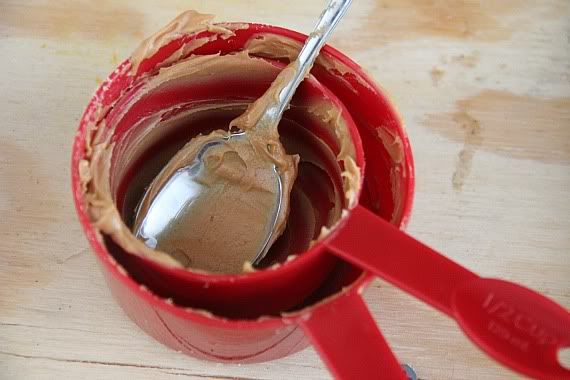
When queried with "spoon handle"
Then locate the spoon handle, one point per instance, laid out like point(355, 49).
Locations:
point(289, 81)
point(515, 325)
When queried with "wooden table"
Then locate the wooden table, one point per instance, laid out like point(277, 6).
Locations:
point(485, 92)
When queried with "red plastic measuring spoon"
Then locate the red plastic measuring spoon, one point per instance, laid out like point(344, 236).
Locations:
point(515, 325)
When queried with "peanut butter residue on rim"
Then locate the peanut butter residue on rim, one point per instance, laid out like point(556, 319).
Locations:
point(187, 23)
point(96, 167)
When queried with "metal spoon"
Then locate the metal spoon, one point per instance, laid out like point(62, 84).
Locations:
point(182, 189)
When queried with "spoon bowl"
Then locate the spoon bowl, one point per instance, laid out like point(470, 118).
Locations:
point(169, 214)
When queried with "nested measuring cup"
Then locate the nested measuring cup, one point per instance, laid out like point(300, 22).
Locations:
point(336, 306)
point(143, 289)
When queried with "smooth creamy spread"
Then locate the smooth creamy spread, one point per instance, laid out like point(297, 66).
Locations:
point(230, 218)
point(333, 121)
point(278, 47)
point(229, 164)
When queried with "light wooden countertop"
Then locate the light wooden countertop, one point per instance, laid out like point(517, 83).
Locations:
point(484, 90)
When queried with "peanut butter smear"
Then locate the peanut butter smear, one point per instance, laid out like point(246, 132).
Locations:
point(239, 176)
point(237, 197)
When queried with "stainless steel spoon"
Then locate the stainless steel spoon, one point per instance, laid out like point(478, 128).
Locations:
point(182, 189)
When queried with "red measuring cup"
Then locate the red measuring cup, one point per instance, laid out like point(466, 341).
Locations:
point(337, 302)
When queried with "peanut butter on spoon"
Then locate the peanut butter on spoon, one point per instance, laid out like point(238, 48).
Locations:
point(242, 178)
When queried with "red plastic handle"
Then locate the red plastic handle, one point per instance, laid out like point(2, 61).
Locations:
point(517, 326)
point(349, 341)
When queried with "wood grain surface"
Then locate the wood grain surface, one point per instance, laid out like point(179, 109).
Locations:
point(484, 87)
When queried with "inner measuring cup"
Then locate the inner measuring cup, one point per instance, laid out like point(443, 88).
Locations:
point(317, 198)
